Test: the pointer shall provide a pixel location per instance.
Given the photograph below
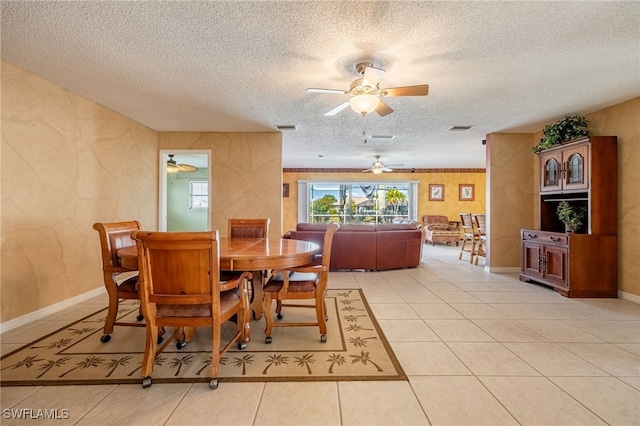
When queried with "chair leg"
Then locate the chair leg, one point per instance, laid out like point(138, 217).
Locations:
point(473, 251)
point(215, 354)
point(112, 311)
point(464, 244)
point(266, 311)
point(150, 347)
point(320, 314)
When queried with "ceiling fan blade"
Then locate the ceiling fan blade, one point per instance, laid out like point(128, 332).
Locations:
point(420, 90)
point(187, 168)
point(315, 90)
point(368, 170)
point(372, 76)
point(386, 169)
point(383, 109)
point(337, 109)
point(394, 165)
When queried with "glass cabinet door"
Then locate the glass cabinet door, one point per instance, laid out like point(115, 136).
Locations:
point(576, 175)
point(551, 172)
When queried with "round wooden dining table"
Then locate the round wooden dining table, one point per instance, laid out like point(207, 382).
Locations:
point(249, 254)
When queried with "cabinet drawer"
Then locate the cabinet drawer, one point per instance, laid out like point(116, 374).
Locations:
point(545, 237)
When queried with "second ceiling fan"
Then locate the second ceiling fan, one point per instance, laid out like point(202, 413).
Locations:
point(378, 167)
point(174, 167)
point(365, 92)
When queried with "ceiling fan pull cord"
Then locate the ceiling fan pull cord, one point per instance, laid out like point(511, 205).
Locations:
point(364, 130)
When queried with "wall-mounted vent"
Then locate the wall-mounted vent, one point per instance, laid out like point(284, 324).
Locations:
point(283, 127)
point(459, 128)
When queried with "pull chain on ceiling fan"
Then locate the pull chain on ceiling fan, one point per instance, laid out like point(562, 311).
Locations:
point(174, 167)
point(366, 93)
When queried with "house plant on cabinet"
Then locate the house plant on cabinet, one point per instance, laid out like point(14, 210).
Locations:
point(571, 217)
point(565, 130)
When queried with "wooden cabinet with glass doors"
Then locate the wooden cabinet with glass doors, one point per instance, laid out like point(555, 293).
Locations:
point(565, 169)
point(581, 264)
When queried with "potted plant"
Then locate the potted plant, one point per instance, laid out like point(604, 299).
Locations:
point(565, 130)
point(571, 217)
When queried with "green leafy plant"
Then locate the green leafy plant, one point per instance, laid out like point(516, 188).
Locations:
point(565, 130)
point(571, 217)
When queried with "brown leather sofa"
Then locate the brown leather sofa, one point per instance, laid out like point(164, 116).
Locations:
point(367, 246)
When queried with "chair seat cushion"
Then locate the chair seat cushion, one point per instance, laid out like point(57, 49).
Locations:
point(229, 302)
point(298, 282)
point(129, 286)
point(443, 233)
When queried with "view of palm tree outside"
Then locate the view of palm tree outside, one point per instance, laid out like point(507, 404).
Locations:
point(358, 203)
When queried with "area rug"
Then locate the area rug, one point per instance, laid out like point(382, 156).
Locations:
point(356, 349)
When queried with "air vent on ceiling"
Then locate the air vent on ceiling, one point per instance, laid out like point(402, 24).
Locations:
point(282, 127)
point(459, 128)
point(382, 137)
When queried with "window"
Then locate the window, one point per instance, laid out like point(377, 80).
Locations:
point(357, 202)
point(198, 194)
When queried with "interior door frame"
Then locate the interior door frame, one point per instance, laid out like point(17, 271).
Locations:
point(162, 179)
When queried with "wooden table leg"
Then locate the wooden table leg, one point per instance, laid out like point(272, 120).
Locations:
point(257, 282)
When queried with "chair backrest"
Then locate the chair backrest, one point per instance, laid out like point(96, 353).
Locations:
point(249, 228)
point(430, 219)
point(179, 268)
point(327, 243)
point(467, 221)
point(114, 236)
point(481, 222)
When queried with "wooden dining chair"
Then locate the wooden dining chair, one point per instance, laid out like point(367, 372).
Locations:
point(181, 287)
point(249, 228)
point(121, 283)
point(305, 282)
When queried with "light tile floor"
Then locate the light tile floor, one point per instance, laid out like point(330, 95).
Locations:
point(479, 348)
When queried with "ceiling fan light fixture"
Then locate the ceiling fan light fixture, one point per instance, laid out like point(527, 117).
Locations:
point(172, 166)
point(364, 104)
point(377, 170)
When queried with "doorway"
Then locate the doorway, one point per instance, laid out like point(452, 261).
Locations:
point(184, 193)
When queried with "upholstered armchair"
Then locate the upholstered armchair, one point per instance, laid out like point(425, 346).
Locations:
point(438, 230)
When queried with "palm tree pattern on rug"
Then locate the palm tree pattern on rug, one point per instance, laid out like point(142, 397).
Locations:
point(356, 350)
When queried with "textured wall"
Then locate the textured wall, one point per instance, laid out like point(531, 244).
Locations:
point(450, 207)
point(623, 121)
point(246, 174)
point(511, 177)
point(67, 162)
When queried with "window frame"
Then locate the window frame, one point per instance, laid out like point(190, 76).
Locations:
point(200, 196)
point(304, 198)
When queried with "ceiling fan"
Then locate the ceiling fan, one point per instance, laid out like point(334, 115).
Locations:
point(377, 167)
point(173, 167)
point(365, 92)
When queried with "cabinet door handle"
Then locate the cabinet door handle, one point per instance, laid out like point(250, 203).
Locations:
point(532, 235)
point(554, 239)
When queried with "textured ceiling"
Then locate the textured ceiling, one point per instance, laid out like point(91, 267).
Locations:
point(244, 66)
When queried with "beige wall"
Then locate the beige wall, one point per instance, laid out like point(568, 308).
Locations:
point(67, 162)
point(623, 121)
point(450, 207)
point(246, 174)
point(510, 177)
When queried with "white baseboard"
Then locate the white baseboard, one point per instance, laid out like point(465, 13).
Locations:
point(503, 270)
point(41, 313)
point(628, 296)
